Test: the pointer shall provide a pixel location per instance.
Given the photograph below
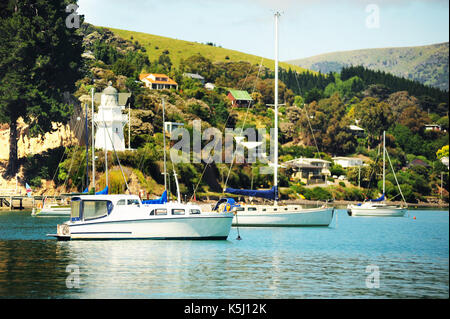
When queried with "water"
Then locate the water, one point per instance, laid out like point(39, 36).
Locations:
point(411, 257)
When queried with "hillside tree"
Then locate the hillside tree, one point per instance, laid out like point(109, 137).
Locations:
point(40, 60)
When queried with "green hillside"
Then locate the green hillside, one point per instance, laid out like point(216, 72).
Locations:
point(425, 64)
point(180, 49)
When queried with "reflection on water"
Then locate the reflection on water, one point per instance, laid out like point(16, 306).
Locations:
point(267, 263)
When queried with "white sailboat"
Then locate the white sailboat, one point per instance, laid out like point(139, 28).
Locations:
point(378, 207)
point(274, 215)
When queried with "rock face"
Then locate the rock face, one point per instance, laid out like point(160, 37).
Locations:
point(63, 136)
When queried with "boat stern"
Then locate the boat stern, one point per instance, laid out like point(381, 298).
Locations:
point(62, 232)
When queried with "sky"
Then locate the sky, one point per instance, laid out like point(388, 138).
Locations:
point(307, 27)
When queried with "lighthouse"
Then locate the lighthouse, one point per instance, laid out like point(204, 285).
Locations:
point(110, 121)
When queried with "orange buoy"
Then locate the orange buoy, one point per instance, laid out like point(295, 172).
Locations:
point(414, 217)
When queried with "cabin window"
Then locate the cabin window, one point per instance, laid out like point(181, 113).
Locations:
point(121, 202)
point(251, 209)
point(264, 209)
point(133, 202)
point(177, 211)
point(93, 209)
point(161, 211)
point(152, 212)
point(275, 209)
point(240, 209)
point(75, 210)
point(195, 211)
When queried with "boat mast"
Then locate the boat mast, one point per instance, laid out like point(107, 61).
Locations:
point(384, 162)
point(87, 147)
point(164, 143)
point(93, 145)
point(106, 147)
point(275, 168)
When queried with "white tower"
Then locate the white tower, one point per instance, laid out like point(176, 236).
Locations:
point(110, 121)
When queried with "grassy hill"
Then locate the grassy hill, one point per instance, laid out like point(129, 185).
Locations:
point(180, 49)
point(426, 64)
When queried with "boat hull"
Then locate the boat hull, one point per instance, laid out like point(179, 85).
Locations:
point(303, 218)
point(212, 227)
point(53, 212)
point(377, 212)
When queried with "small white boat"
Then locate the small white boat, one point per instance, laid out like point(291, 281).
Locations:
point(378, 207)
point(290, 215)
point(53, 210)
point(125, 217)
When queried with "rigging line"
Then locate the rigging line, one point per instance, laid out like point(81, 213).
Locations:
point(117, 157)
point(395, 176)
point(223, 130)
point(78, 123)
point(307, 115)
point(242, 127)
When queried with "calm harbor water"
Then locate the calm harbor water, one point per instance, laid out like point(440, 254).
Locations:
point(409, 258)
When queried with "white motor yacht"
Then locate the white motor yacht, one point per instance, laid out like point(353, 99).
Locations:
point(125, 217)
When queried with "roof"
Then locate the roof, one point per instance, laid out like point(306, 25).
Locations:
point(146, 76)
point(355, 128)
point(346, 158)
point(241, 95)
point(194, 76)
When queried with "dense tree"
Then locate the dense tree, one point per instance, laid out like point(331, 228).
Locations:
point(40, 59)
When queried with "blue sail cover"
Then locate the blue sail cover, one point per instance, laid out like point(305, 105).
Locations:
point(269, 194)
point(161, 200)
point(380, 199)
point(103, 192)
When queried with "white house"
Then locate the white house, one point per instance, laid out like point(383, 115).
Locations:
point(110, 122)
point(347, 162)
point(309, 170)
point(444, 161)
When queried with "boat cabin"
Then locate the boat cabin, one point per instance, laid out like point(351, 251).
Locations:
point(91, 207)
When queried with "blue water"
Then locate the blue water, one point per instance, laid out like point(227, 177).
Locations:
point(411, 257)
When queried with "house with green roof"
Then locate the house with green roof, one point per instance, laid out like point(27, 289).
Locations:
point(239, 98)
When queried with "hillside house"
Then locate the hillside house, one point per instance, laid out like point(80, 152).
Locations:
point(309, 170)
point(347, 162)
point(158, 81)
point(433, 127)
point(195, 76)
point(239, 98)
point(356, 130)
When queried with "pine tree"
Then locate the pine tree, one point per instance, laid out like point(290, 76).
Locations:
point(40, 59)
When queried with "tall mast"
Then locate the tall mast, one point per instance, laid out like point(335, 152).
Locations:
point(275, 168)
point(384, 162)
point(87, 146)
point(93, 145)
point(106, 147)
point(164, 143)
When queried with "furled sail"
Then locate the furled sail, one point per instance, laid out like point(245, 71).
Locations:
point(268, 194)
point(103, 192)
point(161, 200)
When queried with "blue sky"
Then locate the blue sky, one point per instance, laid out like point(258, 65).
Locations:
point(307, 27)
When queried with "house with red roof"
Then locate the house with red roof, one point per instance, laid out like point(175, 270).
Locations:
point(158, 81)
